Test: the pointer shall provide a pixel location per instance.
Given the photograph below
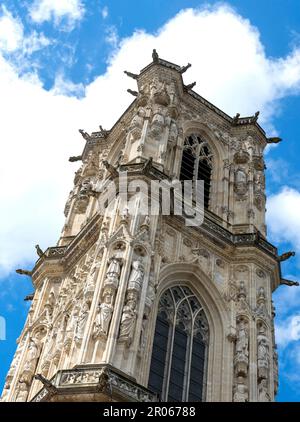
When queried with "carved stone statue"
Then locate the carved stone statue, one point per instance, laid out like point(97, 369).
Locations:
point(128, 319)
point(241, 393)
point(81, 321)
point(138, 120)
point(136, 276)
point(263, 358)
point(173, 134)
point(263, 394)
point(22, 392)
point(113, 272)
point(104, 314)
point(242, 340)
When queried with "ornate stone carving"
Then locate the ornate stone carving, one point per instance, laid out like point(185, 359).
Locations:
point(128, 319)
point(263, 394)
point(136, 276)
point(104, 314)
point(263, 353)
point(241, 358)
point(81, 321)
point(113, 272)
point(240, 183)
point(240, 392)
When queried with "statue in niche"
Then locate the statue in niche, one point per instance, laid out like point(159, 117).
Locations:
point(240, 185)
point(22, 392)
point(263, 358)
point(242, 341)
point(173, 134)
point(241, 393)
point(138, 119)
point(104, 314)
point(136, 276)
point(81, 321)
point(143, 337)
point(155, 87)
point(128, 319)
point(92, 164)
point(33, 354)
point(249, 145)
point(49, 306)
point(113, 272)
point(158, 122)
point(259, 181)
point(263, 394)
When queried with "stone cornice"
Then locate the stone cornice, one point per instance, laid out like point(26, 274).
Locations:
point(63, 257)
point(95, 379)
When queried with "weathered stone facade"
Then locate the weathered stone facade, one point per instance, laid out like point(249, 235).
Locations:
point(90, 328)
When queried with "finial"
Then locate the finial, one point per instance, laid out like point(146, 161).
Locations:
point(190, 86)
point(103, 131)
point(39, 251)
point(155, 56)
point(255, 117)
point(235, 118)
point(84, 134)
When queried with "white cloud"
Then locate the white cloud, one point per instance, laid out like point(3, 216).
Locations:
point(112, 36)
point(104, 12)
point(34, 42)
point(283, 216)
point(46, 10)
point(288, 331)
point(11, 32)
point(39, 127)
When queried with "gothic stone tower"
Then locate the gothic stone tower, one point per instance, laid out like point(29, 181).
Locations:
point(131, 306)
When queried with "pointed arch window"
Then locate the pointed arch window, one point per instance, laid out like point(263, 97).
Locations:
point(197, 162)
point(179, 355)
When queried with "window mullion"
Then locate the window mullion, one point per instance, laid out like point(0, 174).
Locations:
point(170, 355)
point(189, 362)
point(196, 167)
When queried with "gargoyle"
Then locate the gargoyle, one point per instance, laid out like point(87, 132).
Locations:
point(274, 140)
point(24, 272)
point(29, 297)
point(185, 68)
point(131, 75)
point(47, 384)
point(75, 158)
point(134, 93)
point(285, 256)
point(289, 282)
point(111, 169)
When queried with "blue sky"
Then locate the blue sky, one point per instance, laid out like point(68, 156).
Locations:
point(61, 64)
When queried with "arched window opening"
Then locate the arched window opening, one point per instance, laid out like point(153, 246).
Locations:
point(196, 163)
point(178, 363)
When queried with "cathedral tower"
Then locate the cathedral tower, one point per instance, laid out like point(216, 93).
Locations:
point(136, 303)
